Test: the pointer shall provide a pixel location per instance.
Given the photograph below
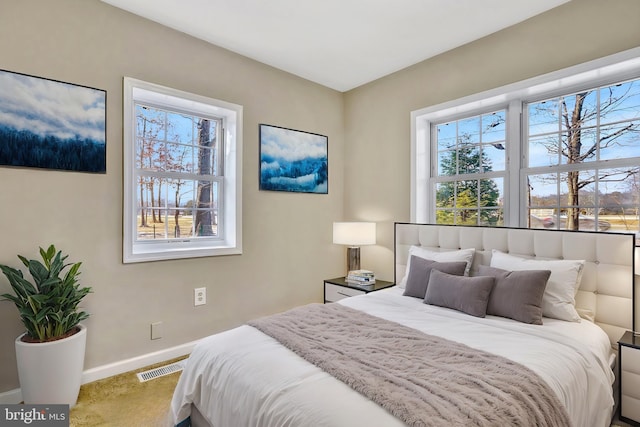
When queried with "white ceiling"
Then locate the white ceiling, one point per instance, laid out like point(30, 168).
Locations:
point(340, 44)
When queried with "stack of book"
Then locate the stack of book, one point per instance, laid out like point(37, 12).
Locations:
point(361, 277)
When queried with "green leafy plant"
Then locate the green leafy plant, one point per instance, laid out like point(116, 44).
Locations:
point(48, 307)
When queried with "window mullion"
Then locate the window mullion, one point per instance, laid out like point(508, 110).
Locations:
point(515, 158)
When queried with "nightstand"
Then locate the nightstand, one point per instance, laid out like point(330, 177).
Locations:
point(337, 289)
point(629, 375)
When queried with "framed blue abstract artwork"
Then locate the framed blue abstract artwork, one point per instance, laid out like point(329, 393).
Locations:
point(50, 124)
point(293, 160)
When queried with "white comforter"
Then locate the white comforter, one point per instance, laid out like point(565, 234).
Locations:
point(242, 377)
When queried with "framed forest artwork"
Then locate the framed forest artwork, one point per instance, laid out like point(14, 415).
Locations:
point(51, 124)
point(293, 160)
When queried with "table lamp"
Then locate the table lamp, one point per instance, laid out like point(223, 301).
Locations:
point(354, 235)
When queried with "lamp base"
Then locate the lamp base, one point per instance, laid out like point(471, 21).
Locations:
point(353, 258)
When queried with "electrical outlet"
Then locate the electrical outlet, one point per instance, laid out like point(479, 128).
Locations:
point(199, 296)
point(156, 330)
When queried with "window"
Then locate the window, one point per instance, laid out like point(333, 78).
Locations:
point(584, 159)
point(182, 170)
point(558, 151)
point(469, 182)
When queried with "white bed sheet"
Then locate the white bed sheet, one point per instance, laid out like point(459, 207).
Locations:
point(244, 377)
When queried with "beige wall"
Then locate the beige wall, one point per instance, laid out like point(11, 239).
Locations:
point(287, 237)
point(377, 115)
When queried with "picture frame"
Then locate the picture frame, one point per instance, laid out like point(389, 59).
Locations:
point(50, 124)
point(293, 160)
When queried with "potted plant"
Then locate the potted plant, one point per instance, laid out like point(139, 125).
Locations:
point(50, 354)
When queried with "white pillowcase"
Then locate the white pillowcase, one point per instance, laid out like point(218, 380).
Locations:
point(559, 299)
point(444, 256)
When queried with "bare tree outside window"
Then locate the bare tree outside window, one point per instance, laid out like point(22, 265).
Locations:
point(176, 163)
point(205, 218)
point(151, 129)
point(588, 140)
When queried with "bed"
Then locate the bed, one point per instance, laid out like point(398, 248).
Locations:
point(251, 376)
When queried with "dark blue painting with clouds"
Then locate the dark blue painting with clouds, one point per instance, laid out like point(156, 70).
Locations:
point(51, 125)
point(292, 160)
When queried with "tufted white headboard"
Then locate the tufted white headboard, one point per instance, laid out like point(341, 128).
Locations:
point(607, 286)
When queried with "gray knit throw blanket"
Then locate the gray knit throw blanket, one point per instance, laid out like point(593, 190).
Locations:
point(421, 379)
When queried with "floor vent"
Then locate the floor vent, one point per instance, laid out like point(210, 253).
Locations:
point(160, 372)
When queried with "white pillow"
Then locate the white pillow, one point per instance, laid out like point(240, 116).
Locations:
point(559, 299)
point(444, 256)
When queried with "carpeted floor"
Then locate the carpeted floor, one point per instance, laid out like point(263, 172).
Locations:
point(123, 401)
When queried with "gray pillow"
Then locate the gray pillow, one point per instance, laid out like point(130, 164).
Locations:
point(467, 294)
point(517, 294)
point(418, 278)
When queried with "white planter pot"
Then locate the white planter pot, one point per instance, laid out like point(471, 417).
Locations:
point(51, 372)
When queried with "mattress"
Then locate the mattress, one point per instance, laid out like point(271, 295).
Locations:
point(244, 377)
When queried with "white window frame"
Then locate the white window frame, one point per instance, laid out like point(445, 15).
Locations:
point(618, 67)
point(436, 179)
point(230, 240)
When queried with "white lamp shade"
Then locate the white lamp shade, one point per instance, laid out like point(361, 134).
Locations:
point(354, 233)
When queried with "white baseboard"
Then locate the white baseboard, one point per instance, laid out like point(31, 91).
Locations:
point(11, 397)
point(138, 362)
point(105, 371)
